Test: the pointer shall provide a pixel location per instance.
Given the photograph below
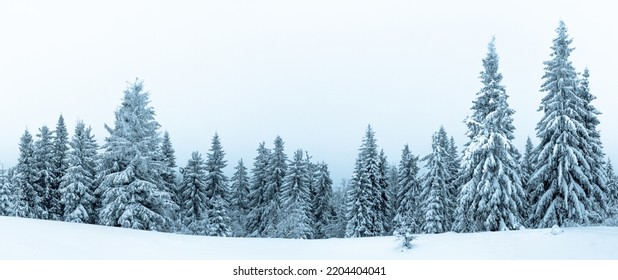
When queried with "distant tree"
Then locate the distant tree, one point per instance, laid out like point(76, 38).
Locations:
point(564, 178)
point(257, 199)
point(134, 193)
point(295, 200)
point(60, 165)
point(338, 227)
point(365, 196)
point(393, 189)
point(77, 185)
point(408, 218)
point(240, 199)
point(527, 169)
point(193, 198)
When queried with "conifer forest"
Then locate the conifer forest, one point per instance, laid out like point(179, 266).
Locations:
point(133, 179)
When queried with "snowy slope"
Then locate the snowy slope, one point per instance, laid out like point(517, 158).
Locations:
point(36, 239)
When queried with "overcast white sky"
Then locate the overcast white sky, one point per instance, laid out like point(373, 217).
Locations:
point(315, 72)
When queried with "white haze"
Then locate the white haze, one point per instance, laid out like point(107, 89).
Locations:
point(314, 72)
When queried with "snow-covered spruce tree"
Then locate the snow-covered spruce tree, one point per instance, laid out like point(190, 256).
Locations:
point(44, 169)
point(59, 165)
point(26, 178)
point(393, 187)
point(257, 200)
point(312, 169)
point(193, 198)
point(338, 227)
point(612, 183)
point(384, 207)
point(277, 167)
point(77, 184)
point(295, 197)
point(597, 190)
point(216, 181)
point(169, 160)
point(612, 193)
point(240, 200)
point(454, 166)
point(527, 168)
point(434, 186)
point(408, 215)
point(563, 176)
point(19, 201)
point(8, 195)
point(365, 193)
point(134, 194)
point(217, 190)
point(218, 218)
point(323, 210)
point(493, 195)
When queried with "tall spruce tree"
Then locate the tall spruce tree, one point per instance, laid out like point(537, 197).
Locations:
point(44, 169)
point(77, 184)
point(240, 199)
point(217, 190)
point(193, 197)
point(59, 165)
point(295, 197)
point(365, 193)
point(435, 190)
point(216, 181)
point(563, 177)
point(492, 194)
point(277, 167)
point(408, 217)
point(26, 179)
point(257, 200)
point(134, 193)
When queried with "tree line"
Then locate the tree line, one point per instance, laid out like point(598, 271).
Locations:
point(133, 180)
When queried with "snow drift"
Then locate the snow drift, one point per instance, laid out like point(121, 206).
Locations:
point(37, 239)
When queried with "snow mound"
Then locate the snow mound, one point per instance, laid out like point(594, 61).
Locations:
point(555, 230)
point(30, 239)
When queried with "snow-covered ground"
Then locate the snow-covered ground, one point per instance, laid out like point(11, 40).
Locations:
point(36, 239)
